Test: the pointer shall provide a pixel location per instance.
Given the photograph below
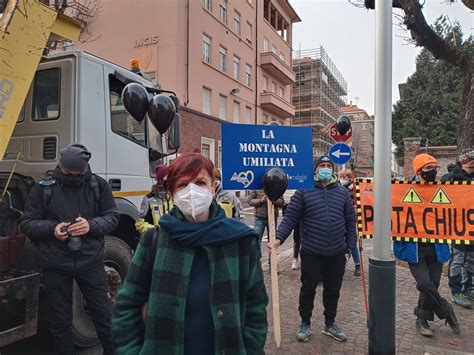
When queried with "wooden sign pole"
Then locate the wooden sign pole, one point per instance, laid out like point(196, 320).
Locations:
point(274, 275)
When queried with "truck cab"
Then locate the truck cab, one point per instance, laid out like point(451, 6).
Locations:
point(75, 97)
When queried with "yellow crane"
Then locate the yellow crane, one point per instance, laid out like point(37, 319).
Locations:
point(26, 27)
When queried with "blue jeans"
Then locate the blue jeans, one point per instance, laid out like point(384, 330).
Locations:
point(461, 269)
point(355, 254)
point(260, 225)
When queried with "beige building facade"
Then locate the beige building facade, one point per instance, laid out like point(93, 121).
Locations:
point(228, 61)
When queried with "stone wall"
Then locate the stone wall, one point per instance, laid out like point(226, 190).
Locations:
point(444, 154)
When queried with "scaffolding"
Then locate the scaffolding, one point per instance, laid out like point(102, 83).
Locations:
point(319, 93)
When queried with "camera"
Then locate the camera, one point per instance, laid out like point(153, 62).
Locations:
point(74, 243)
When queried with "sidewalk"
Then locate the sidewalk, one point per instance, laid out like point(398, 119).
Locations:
point(352, 318)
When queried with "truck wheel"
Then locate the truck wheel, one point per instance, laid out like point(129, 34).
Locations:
point(117, 257)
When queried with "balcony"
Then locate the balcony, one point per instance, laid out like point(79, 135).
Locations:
point(276, 105)
point(277, 68)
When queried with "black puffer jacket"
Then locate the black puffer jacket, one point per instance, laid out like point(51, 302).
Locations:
point(327, 216)
point(70, 198)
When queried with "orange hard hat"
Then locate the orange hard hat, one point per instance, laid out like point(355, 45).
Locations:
point(422, 160)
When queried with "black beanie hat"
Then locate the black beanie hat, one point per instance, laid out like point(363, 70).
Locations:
point(322, 159)
point(74, 157)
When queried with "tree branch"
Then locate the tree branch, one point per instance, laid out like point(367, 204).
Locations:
point(425, 36)
point(469, 4)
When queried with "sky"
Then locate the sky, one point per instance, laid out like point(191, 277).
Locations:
point(347, 34)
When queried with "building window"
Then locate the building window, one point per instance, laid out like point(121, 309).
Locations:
point(266, 45)
point(265, 83)
point(223, 11)
point(282, 57)
point(222, 107)
point(282, 92)
point(236, 67)
point(274, 50)
point(222, 59)
point(206, 48)
point(206, 101)
point(207, 4)
point(248, 75)
point(274, 87)
point(237, 22)
point(236, 112)
point(249, 32)
point(248, 114)
point(208, 148)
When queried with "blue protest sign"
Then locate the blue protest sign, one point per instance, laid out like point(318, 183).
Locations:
point(340, 153)
point(249, 150)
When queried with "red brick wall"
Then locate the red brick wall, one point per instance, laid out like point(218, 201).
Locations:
point(444, 154)
point(195, 125)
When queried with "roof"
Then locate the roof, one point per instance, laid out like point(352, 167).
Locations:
point(291, 10)
point(352, 109)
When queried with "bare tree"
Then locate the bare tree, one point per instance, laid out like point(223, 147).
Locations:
point(460, 56)
point(83, 11)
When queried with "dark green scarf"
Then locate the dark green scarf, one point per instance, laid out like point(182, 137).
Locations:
point(217, 230)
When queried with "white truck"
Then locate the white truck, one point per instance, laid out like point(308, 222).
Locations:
point(75, 97)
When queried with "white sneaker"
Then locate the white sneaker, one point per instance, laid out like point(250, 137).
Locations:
point(295, 265)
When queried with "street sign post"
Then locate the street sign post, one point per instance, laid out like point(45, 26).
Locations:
point(381, 264)
point(340, 153)
point(336, 136)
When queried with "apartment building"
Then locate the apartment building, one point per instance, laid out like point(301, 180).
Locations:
point(228, 61)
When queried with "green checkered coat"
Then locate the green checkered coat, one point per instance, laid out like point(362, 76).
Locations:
point(237, 296)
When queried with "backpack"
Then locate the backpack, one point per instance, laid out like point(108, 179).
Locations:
point(48, 183)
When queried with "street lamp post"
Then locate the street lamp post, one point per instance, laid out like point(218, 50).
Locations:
point(381, 265)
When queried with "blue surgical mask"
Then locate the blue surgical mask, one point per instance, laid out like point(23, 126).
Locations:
point(324, 173)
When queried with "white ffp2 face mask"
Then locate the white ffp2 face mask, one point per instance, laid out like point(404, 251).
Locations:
point(193, 200)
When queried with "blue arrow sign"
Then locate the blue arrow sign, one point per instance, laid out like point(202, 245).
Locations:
point(340, 153)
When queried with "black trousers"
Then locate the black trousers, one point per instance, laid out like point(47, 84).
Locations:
point(92, 281)
point(296, 241)
point(427, 274)
point(331, 269)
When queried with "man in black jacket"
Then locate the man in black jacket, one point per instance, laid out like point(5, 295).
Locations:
point(67, 215)
point(462, 256)
point(328, 232)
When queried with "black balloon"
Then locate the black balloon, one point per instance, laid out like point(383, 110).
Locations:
point(275, 183)
point(343, 124)
point(135, 101)
point(175, 101)
point(161, 111)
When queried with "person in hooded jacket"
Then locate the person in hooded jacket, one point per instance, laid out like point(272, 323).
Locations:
point(345, 178)
point(328, 233)
point(155, 204)
point(203, 284)
point(67, 215)
point(426, 263)
point(228, 201)
point(461, 263)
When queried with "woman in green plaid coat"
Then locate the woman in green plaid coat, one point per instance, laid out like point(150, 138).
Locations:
point(202, 287)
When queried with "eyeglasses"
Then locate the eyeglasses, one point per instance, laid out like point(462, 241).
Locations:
point(430, 167)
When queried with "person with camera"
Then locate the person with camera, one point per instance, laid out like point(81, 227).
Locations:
point(67, 216)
